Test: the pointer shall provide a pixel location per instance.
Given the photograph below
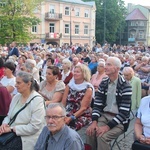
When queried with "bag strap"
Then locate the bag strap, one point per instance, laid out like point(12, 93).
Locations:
point(26, 104)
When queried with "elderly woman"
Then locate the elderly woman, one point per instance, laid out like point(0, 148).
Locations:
point(136, 87)
point(9, 79)
point(77, 98)
point(52, 89)
point(27, 124)
point(97, 78)
point(143, 69)
point(142, 124)
point(66, 74)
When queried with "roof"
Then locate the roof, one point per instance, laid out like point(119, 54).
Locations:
point(136, 14)
point(91, 3)
point(148, 7)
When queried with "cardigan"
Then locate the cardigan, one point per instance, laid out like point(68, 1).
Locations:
point(123, 99)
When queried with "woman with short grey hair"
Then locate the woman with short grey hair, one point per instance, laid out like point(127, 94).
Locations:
point(66, 74)
point(27, 125)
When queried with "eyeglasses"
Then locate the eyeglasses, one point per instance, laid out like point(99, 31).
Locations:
point(53, 117)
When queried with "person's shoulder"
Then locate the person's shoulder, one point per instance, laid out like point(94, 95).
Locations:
point(60, 83)
point(72, 134)
point(145, 100)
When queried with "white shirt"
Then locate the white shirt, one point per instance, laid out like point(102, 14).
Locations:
point(9, 82)
point(144, 115)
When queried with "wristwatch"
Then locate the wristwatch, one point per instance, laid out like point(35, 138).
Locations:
point(73, 117)
point(11, 128)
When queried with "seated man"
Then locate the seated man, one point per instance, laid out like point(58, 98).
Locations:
point(142, 126)
point(56, 135)
point(111, 109)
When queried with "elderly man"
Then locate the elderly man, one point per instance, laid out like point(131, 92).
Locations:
point(111, 109)
point(56, 135)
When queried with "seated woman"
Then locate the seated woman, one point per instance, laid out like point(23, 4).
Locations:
point(97, 77)
point(142, 123)
point(52, 89)
point(66, 74)
point(27, 124)
point(77, 98)
point(9, 79)
point(135, 82)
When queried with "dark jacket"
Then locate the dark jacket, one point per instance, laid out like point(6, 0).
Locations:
point(123, 98)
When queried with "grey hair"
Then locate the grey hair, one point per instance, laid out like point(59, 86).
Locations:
point(101, 62)
point(26, 77)
point(116, 60)
point(128, 70)
point(29, 67)
point(54, 105)
point(68, 62)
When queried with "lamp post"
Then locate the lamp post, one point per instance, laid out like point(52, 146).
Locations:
point(71, 9)
point(104, 20)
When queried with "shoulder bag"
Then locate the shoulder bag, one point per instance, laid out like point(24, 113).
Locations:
point(7, 137)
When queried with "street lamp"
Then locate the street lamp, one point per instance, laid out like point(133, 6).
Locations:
point(71, 9)
point(104, 20)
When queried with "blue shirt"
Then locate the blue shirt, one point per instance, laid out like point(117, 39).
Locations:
point(65, 139)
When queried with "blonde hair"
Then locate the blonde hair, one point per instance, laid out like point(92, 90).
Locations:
point(68, 62)
point(86, 72)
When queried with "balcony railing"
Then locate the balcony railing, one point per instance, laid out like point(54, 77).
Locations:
point(53, 16)
point(53, 35)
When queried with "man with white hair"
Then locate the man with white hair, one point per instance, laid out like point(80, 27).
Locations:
point(111, 110)
point(56, 135)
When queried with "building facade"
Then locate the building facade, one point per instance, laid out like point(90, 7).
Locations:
point(138, 24)
point(65, 22)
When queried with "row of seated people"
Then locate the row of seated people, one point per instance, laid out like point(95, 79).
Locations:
point(110, 113)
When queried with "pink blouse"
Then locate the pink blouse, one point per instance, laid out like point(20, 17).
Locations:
point(96, 80)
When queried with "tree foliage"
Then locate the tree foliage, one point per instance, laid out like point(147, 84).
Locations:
point(115, 19)
point(16, 18)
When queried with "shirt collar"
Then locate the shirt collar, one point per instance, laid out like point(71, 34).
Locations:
point(58, 134)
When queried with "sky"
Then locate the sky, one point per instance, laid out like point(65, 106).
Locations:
point(141, 2)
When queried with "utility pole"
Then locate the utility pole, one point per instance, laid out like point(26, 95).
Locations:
point(104, 20)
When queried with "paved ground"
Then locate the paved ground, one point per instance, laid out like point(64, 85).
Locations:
point(124, 143)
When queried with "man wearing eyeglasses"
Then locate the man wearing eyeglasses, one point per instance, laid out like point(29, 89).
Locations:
point(56, 135)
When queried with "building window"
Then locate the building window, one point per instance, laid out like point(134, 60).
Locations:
point(2, 4)
point(141, 23)
point(76, 29)
point(52, 9)
point(67, 28)
point(77, 12)
point(86, 28)
point(86, 14)
point(141, 34)
point(34, 28)
point(51, 27)
point(67, 11)
point(133, 23)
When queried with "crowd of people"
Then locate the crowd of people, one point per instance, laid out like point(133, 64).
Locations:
point(55, 91)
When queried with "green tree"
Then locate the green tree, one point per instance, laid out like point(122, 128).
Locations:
point(110, 18)
point(16, 18)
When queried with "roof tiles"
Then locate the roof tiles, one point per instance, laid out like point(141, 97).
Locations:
point(136, 14)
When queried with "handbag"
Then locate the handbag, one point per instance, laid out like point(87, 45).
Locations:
point(7, 137)
point(140, 146)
